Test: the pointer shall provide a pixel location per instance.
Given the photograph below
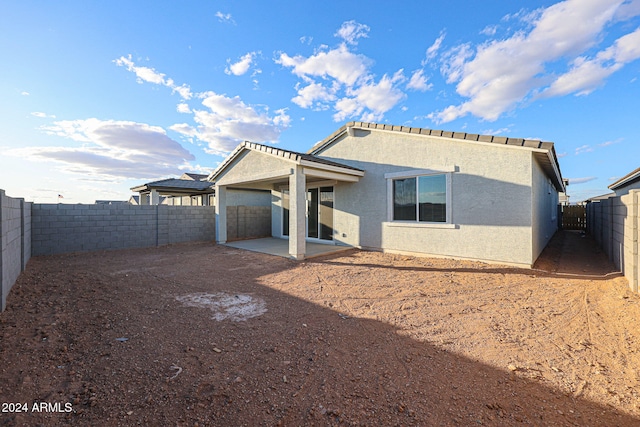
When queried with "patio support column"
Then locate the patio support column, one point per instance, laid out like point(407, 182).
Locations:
point(221, 214)
point(154, 198)
point(144, 199)
point(297, 213)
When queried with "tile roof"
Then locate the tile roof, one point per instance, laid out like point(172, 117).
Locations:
point(531, 143)
point(296, 155)
point(551, 166)
point(279, 152)
point(183, 184)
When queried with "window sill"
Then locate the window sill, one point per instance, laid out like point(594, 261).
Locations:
point(415, 224)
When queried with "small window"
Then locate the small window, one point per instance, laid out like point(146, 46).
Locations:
point(420, 198)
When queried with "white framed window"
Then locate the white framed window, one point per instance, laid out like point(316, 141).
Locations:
point(420, 197)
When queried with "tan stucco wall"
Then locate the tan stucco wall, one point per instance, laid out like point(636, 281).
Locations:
point(544, 204)
point(491, 196)
point(625, 189)
point(251, 164)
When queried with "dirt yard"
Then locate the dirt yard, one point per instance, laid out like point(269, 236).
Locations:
point(198, 335)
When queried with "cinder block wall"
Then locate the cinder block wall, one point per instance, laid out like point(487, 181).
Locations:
point(248, 222)
point(60, 228)
point(186, 224)
point(47, 229)
point(613, 223)
point(15, 229)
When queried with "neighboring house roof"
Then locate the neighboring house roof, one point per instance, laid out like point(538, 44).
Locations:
point(543, 151)
point(194, 176)
point(134, 200)
point(601, 197)
point(293, 156)
point(110, 202)
point(629, 178)
point(175, 185)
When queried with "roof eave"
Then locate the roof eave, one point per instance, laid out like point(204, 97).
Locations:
point(139, 188)
point(533, 145)
point(332, 168)
point(628, 178)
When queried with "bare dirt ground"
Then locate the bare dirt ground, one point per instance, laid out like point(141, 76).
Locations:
point(198, 334)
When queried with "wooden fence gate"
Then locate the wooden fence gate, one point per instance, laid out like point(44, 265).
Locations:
point(574, 217)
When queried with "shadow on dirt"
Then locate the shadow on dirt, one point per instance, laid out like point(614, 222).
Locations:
point(568, 254)
point(297, 364)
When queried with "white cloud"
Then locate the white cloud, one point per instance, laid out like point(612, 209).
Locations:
point(419, 82)
point(226, 122)
point(377, 98)
point(489, 30)
point(242, 66)
point(42, 115)
point(499, 131)
point(340, 79)
point(113, 148)
point(584, 149)
point(225, 17)
point(340, 64)
point(25, 93)
point(610, 142)
point(586, 74)
point(183, 108)
point(351, 31)
point(454, 61)
point(498, 75)
point(314, 93)
point(628, 10)
point(575, 181)
point(146, 74)
point(432, 51)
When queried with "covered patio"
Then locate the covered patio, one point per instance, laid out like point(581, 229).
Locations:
point(307, 182)
point(280, 247)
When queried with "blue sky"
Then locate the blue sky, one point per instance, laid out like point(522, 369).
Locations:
point(96, 97)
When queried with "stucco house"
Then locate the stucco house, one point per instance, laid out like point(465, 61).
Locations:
point(405, 190)
point(630, 181)
point(193, 189)
point(176, 191)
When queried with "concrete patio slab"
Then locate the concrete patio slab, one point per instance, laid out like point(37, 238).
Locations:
point(280, 247)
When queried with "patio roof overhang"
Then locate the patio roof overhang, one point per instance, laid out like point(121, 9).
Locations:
point(279, 169)
point(259, 166)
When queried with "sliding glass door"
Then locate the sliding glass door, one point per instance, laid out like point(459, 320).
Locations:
point(319, 213)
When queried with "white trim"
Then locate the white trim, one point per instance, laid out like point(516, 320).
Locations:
point(624, 181)
point(420, 172)
point(419, 224)
point(390, 177)
point(318, 185)
point(331, 168)
point(555, 170)
point(330, 175)
point(281, 207)
point(314, 184)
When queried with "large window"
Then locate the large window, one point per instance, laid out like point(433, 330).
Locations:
point(420, 198)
